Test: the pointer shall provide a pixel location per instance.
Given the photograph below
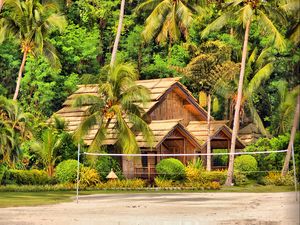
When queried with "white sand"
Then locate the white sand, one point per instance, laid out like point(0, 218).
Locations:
point(162, 209)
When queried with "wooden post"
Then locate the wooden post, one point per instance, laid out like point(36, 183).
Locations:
point(184, 151)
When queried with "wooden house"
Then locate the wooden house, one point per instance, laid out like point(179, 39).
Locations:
point(175, 118)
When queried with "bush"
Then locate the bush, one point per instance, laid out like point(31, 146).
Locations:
point(66, 171)
point(26, 177)
point(121, 184)
point(192, 174)
point(211, 176)
point(88, 177)
point(240, 179)
point(275, 178)
point(104, 165)
point(246, 164)
point(170, 169)
point(162, 183)
point(3, 169)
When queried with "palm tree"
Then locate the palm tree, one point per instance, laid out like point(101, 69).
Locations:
point(14, 127)
point(285, 168)
point(120, 100)
point(168, 20)
point(282, 117)
point(245, 12)
point(258, 69)
point(47, 149)
point(31, 23)
point(117, 39)
point(204, 71)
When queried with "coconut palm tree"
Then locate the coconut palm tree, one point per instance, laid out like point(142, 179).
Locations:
point(47, 149)
point(31, 23)
point(117, 39)
point(285, 168)
point(246, 12)
point(14, 127)
point(258, 69)
point(282, 117)
point(168, 20)
point(204, 71)
point(120, 100)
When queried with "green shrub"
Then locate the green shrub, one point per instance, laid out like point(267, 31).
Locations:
point(26, 177)
point(121, 184)
point(170, 169)
point(3, 169)
point(162, 183)
point(210, 176)
point(104, 165)
point(66, 171)
point(240, 179)
point(275, 178)
point(246, 164)
point(88, 177)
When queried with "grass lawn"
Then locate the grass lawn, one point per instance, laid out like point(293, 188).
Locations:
point(13, 199)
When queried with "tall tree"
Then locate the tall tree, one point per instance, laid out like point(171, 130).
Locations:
point(258, 69)
point(120, 99)
point(31, 23)
point(117, 39)
point(205, 70)
point(168, 21)
point(285, 168)
point(246, 12)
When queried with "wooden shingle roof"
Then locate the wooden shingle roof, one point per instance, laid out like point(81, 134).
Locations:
point(158, 89)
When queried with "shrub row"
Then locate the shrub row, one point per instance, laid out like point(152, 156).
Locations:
point(27, 177)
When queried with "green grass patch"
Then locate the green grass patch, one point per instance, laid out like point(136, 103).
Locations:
point(12, 199)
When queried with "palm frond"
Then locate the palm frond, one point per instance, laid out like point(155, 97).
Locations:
point(87, 124)
point(245, 14)
point(262, 75)
point(268, 27)
point(217, 24)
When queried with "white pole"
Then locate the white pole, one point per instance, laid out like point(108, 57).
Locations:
point(77, 188)
point(294, 168)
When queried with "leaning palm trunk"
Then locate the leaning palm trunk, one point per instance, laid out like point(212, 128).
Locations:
point(236, 119)
point(115, 48)
point(208, 147)
point(20, 73)
point(285, 168)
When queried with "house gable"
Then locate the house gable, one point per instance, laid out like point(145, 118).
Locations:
point(177, 102)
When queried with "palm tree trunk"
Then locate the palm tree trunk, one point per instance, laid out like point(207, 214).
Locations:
point(115, 48)
point(285, 168)
point(208, 147)
point(20, 74)
point(237, 107)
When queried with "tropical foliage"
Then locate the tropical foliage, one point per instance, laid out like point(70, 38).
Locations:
point(47, 48)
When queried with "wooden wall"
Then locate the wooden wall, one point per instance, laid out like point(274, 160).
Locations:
point(173, 107)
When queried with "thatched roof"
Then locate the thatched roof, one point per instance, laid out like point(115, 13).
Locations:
point(199, 130)
point(158, 89)
point(250, 133)
point(162, 129)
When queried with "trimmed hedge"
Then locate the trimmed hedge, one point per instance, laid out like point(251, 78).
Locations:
point(213, 176)
point(170, 169)
point(27, 177)
point(246, 164)
point(66, 171)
